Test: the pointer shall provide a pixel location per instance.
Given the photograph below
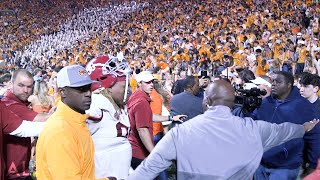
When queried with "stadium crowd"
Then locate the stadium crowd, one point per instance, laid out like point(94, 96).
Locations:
point(102, 82)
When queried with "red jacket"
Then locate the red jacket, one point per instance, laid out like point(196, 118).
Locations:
point(7, 125)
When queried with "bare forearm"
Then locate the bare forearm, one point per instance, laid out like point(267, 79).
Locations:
point(146, 138)
point(159, 118)
point(41, 117)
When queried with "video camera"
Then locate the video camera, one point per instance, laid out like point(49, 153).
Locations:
point(248, 99)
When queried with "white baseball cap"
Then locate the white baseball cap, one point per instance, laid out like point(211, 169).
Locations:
point(301, 42)
point(145, 76)
point(73, 76)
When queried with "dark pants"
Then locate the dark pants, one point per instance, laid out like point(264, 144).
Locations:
point(264, 173)
point(286, 68)
point(163, 175)
point(300, 67)
point(135, 162)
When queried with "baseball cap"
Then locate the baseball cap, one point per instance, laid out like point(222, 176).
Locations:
point(145, 76)
point(301, 42)
point(73, 76)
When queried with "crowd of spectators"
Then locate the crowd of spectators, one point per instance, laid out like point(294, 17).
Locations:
point(186, 44)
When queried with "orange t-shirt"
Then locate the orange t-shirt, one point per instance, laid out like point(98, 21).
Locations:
point(162, 65)
point(295, 30)
point(156, 107)
point(133, 84)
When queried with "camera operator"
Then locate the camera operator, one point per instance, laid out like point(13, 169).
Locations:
point(242, 84)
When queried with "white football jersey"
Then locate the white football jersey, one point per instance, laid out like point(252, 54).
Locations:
point(110, 136)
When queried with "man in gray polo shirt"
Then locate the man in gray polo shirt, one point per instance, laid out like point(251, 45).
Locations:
point(216, 144)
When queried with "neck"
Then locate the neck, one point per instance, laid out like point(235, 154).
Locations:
point(106, 93)
point(77, 110)
point(189, 91)
point(283, 97)
point(313, 98)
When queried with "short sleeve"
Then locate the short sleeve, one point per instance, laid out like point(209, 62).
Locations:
point(143, 115)
point(10, 121)
point(23, 111)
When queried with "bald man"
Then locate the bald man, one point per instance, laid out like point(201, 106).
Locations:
point(216, 144)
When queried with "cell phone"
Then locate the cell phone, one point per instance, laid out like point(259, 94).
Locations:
point(204, 73)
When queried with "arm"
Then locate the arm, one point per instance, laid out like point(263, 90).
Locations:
point(159, 159)
point(28, 129)
point(159, 118)
point(14, 125)
point(22, 111)
point(9, 121)
point(146, 139)
point(275, 134)
point(41, 117)
point(143, 121)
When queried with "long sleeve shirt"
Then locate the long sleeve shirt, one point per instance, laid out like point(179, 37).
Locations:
point(216, 145)
point(65, 148)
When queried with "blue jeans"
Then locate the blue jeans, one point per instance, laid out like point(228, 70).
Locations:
point(300, 67)
point(264, 173)
point(286, 68)
point(163, 175)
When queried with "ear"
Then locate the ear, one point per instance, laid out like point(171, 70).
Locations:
point(62, 92)
point(207, 101)
point(139, 84)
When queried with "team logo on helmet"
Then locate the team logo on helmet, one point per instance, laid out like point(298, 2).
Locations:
point(82, 72)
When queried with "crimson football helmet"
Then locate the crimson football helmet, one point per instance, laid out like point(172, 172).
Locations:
point(107, 70)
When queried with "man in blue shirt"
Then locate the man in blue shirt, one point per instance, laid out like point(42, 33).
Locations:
point(285, 104)
point(187, 102)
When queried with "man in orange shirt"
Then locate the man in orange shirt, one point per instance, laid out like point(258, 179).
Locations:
point(156, 108)
point(65, 148)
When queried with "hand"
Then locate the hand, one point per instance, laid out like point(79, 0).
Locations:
point(308, 126)
point(179, 118)
point(52, 110)
point(203, 81)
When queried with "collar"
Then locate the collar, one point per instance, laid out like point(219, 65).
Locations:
point(220, 108)
point(219, 111)
point(70, 114)
point(9, 95)
point(188, 92)
point(143, 94)
point(293, 95)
